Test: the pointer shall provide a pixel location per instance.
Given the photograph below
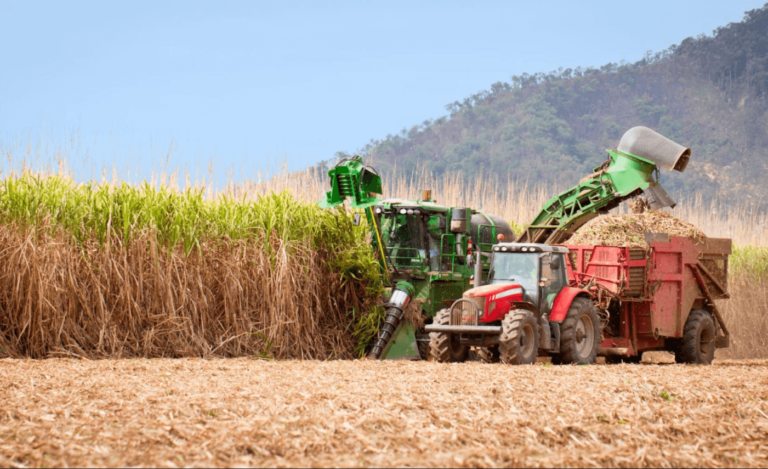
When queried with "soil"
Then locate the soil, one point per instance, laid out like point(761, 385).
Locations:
point(249, 412)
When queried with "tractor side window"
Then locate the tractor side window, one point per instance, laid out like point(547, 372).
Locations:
point(553, 278)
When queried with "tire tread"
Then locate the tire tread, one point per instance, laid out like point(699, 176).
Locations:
point(440, 343)
point(568, 353)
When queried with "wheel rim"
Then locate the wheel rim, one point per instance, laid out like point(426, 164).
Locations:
point(705, 342)
point(526, 341)
point(585, 336)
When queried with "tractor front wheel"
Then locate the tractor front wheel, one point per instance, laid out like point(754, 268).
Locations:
point(444, 347)
point(519, 343)
point(698, 344)
point(579, 334)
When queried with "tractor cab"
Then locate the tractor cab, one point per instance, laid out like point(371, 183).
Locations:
point(538, 268)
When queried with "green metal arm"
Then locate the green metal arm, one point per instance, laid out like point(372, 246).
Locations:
point(621, 177)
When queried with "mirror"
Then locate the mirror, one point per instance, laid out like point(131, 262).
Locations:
point(556, 263)
point(356, 219)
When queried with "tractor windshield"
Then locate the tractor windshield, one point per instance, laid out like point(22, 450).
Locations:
point(517, 267)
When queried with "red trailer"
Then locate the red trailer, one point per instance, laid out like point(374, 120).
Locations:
point(645, 297)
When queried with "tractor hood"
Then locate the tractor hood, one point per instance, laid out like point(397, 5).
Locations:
point(511, 291)
point(495, 300)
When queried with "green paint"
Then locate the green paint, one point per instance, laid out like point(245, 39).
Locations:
point(402, 346)
point(443, 290)
point(351, 178)
point(418, 247)
point(620, 176)
point(406, 288)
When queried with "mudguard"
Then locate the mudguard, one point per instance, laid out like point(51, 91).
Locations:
point(563, 302)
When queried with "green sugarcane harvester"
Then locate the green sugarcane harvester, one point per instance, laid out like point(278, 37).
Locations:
point(431, 254)
point(424, 250)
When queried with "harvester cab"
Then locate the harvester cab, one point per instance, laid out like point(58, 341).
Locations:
point(425, 251)
point(631, 171)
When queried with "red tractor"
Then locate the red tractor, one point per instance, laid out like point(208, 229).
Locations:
point(574, 303)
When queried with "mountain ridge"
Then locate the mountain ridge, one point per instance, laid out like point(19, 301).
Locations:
point(708, 93)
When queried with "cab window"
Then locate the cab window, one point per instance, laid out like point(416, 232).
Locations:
point(553, 279)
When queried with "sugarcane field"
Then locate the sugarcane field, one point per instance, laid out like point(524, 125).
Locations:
point(565, 270)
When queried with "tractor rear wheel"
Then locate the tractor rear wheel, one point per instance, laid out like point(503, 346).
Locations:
point(519, 343)
point(444, 347)
point(698, 343)
point(579, 334)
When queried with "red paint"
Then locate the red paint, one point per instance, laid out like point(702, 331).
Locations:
point(502, 309)
point(563, 302)
point(488, 290)
point(504, 304)
point(492, 293)
point(646, 312)
point(608, 266)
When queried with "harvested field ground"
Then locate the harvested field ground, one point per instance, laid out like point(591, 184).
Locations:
point(193, 412)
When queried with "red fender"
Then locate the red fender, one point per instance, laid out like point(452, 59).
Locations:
point(563, 302)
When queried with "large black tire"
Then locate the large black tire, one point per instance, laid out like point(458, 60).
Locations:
point(579, 334)
point(487, 354)
point(421, 344)
point(519, 343)
point(445, 348)
point(698, 343)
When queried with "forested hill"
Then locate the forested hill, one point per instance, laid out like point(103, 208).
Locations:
point(708, 93)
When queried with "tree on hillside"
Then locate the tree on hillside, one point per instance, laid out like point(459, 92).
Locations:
point(708, 92)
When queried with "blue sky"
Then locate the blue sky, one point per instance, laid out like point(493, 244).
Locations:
point(251, 84)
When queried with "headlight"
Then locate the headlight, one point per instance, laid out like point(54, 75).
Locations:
point(403, 211)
